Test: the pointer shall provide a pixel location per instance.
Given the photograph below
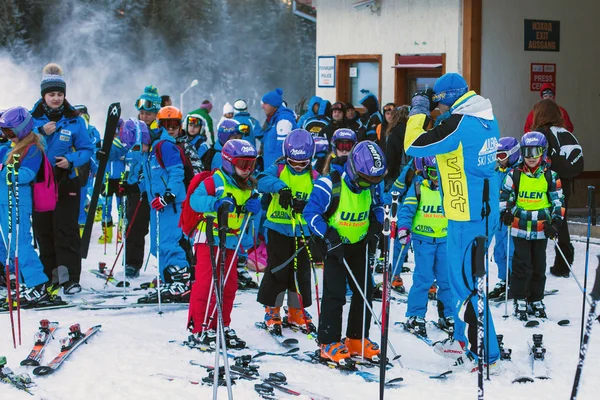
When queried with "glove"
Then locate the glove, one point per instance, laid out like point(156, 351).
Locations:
point(225, 201)
point(422, 103)
point(335, 249)
point(403, 235)
point(285, 197)
point(508, 218)
point(160, 202)
point(253, 206)
point(298, 205)
point(551, 229)
point(374, 232)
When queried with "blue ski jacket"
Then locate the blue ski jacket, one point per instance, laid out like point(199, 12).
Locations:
point(158, 180)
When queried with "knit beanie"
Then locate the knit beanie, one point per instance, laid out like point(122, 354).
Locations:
point(449, 88)
point(53, 79)
point(274, 98)
point(228, 109)
point(151, 94)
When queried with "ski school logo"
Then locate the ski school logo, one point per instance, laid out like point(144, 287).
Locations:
point(487, 154)
point(297, 152)
point(377, 160)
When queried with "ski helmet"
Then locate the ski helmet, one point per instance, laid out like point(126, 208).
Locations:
point(226, 130)
point(534, 145)
point(321, 146)
point(169, 117)
point(508, 148)
point(240, 105)
point(366, 164)
point(429, 167)
point(298, 149)
point(238, 153)
point(343, 137)
point(16, 122)
point(134, 133)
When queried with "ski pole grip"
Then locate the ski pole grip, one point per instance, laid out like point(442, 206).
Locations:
point(592, 204)
point(394, 209)
point(386, 220)
point(210, 237)
point(479, 256)
point(595, 294)
point(485, 200)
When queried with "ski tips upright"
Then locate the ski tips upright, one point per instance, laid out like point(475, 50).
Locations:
point(595, 294)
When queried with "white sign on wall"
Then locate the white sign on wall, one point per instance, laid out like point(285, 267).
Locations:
point(326, 71)
point(353, 72)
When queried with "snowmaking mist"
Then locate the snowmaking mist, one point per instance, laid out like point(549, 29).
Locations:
point(110, 50)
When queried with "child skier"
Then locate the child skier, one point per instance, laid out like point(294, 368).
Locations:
point(532, 202)
point(113, 179)
point(164, 184)
point(229, 186)
point(508, 156)
point(342, 141)
point(346, 222)
point(422, 215)
point(16, 125)
point(192, 139)
point(290, 182)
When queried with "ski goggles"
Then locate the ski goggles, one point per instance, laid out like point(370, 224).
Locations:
point(365, 181)
point(297, 164)
point(8, 133)
point(388, 108)
point(502, 155)
point(244, 129)
point(532, 152)
point(343, 145)
point(170, 123)
point(194, 121)
point(431, 172)
point(145, 104)
point(244, 163)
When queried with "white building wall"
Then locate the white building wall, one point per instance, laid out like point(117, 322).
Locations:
point(400, 26)
point(506, 66)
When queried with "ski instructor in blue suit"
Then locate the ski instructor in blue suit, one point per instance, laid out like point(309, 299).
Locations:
point(464, 142)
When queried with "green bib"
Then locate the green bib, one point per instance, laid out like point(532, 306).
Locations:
point(235, 220)
point(351, 219)
point(429, 219)
point(301, 186)
point(533, 193)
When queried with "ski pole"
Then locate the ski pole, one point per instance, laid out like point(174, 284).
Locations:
point(17, 222)
point(124, 260)
point(9, 183)
point(105, 210)
point(568, 266)
point(294, 220)
point(485, 212)
point(373, 315)
point(479, 271)
point(595, 295)
point(158, 282)
point(364, 312)
point(255, 250)
point(312, 265)
point(591, 221)
point(507, 271)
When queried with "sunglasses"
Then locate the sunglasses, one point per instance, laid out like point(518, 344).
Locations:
point(532, 152)
point(431, 172)
point(244, 129)
point(9, 133)
point(343, 145)
point(298, 164)
point(170, 123)
point(194, 121)
point(245, 164)
point(365, 181)
point(144, 104)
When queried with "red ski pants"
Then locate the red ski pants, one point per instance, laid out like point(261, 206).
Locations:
point(203, 290)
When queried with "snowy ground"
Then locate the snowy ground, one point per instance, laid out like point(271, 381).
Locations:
point(119, 361)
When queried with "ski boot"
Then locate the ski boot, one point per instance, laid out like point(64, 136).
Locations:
point(446, 324)
point(537, 309)
point(71, 287)
point(206, 338)
point(132, 272)
point(398, 285)
point(520, 310)
point(432, 292)
point(337, 353)
point(450, 348)
point(498, 290)
point(245, 280)
point(356, 348)
point(377, 263)
point(107, 233)
point(416, 325)
point(175, 289)
point(273, 320)
point(81, 228)
point(53, 291)
point(377, 292)
point(296, 318)
point(34, 297)
point(232, 340)
point(98, 215)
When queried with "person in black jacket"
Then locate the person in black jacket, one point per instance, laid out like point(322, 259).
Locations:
point(394, 147)
point(338, 120)
point(370, 119)
point(353, 118)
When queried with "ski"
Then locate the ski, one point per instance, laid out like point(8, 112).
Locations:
point(68, 346)
point(50, 306)
point(112, 121)
point(106, 293)
point(498, 301)
point(109, 279)
point(425, 339)
point(21, 382)
point(165, 306)
point(281, 339)
point(448, 331)
point(537, 353)
point(244, 358)
point(42, 337)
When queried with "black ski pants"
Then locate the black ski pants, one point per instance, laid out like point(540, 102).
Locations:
point(528, 278)
point(57, 234)
point(335, 276)
point(279, 249)
point(136, 240)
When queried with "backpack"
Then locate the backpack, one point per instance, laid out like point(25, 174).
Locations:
point(188, 168)
point(44, 189)
point(565, 153)
point(208, 157)
point(189, 219)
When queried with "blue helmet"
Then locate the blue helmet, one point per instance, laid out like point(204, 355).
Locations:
point(18, 120)
point(422, 162)
point(534, 144)
point(299, 145)
point(366, 164)
point(238, 153)
point(508, 147)
point(343, 134)
point(226, 130)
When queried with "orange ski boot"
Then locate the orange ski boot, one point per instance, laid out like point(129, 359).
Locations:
point(301, 319)
point(371, 349)
point(398, 285)
point(338, 353)
point(273, 319)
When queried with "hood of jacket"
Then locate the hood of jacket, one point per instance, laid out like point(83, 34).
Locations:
point(474, 105)
point(371, 103)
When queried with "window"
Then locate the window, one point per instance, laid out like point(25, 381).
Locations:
point(357, 76)
point(415, 73)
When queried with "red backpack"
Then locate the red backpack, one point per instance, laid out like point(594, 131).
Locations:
point(44, 189)
point(189, 219)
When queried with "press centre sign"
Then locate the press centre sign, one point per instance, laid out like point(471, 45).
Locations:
point(540, 74)
point(542, 35)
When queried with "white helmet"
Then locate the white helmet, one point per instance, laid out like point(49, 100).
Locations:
point(240, 105)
